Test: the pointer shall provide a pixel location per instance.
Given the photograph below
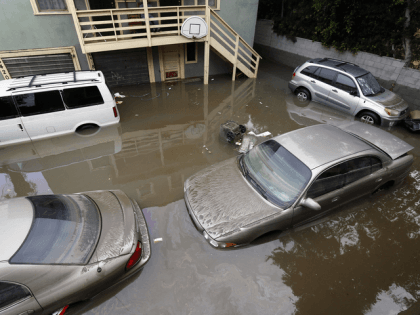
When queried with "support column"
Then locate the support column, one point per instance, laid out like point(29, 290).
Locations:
point(146, 16)
point(207, 48)
point(236, 58)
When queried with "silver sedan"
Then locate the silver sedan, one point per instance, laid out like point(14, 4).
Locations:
point(56, 250)
point(293, 179)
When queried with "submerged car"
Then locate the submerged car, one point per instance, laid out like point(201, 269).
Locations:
point(349, 88)
point(293, 179)
point(56, 250)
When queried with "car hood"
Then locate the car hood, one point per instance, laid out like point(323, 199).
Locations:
point(222, 201)
point(390, 100)
point(118, 225)
point(390, 144)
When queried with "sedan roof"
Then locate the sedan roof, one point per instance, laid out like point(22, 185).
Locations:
point(16, 217)
point(321, 144)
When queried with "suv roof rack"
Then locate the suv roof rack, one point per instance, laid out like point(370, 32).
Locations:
point(66, 81)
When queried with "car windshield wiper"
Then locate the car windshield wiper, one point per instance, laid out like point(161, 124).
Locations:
point(243, 166)
point(262, 191)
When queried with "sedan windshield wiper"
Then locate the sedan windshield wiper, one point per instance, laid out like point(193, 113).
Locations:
point(243, 166)
point(261, 190)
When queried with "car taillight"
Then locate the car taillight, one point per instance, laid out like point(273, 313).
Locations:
point(115, 111)
point(134, 259)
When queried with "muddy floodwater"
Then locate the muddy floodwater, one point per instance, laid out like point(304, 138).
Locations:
point(362, 259)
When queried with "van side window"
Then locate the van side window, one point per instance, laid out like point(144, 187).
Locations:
point(11, 293)
point(8, 108)
point(39, 103)
point(82, 97)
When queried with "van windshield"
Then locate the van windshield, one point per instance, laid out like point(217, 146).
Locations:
point(65, 230)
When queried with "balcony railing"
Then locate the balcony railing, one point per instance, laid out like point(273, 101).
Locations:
point(114, 29)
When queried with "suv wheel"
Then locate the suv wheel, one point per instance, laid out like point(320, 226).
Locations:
point(369, 118)
point(303, 95)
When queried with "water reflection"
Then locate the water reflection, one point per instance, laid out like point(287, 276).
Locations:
point(361, 260)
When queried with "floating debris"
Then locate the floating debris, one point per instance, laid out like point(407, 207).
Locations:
point(157, 240)
point(119, 102)
point(119, 95)
point(264, 134)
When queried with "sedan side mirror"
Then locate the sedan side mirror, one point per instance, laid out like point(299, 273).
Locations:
point(353, 92)
point(310, 204)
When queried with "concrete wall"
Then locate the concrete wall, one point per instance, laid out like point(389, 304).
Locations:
point(21, 29)
point(241, 15)
point(387, 70)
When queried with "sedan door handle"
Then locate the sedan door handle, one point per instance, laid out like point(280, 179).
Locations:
point(378, 180)
point(20, 126)
point(335, 91)
point(313, 81)
point(335, 199)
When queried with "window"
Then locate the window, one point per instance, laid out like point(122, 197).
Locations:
point(214, 4)
point(344, 174)
point(82, 97)
point(11, 293)
point(191, 53)
point(327, 76)
point(310, 71)
point(49, 7)
point(65, 230)
point(21, 63)
point(332, 179)
point(39, 103)
point(8, 108)
point(345, 83)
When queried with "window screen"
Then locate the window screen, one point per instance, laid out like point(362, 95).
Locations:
point(309, 71)
point(327, 76)
point(344, 83)
point(8, 109)
point(52, 5)
point(10, 293)
point(82, 97)
point(191, 52)
point(39, 103)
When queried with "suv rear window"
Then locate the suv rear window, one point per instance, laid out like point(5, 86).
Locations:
point(82, 97)
point(65, 230)
point(309, 71)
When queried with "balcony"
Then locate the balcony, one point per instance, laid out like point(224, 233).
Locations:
point(115, 29)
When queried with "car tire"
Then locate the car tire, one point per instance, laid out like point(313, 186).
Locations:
point(303, 96)
point(369, 118)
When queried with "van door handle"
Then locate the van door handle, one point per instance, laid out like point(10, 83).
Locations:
point(313, 81)
point(335, 91)
point(20, 126)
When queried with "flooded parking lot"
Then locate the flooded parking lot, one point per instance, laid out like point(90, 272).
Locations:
point(362, 259)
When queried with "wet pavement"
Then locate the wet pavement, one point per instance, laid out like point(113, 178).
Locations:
point(362, 259)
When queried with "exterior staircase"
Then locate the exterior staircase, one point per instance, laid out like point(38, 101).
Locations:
point(115, 29)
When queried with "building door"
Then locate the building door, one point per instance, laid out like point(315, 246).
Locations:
point(123, 67)
point(171, 62)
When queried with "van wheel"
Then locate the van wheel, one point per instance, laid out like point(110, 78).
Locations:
point(303, 95)
point(369, 118)
point(87, 129)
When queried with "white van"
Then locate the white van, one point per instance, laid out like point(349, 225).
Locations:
point(49, 105)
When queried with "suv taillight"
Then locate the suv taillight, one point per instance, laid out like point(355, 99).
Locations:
point(134, 259)
point(115, 111)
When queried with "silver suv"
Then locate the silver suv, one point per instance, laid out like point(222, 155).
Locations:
point(349, 88)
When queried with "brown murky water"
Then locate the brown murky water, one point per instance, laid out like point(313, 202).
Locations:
point(363, 259)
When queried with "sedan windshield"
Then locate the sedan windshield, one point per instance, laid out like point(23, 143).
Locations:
point(369, 85)
point(65, 230)
point(276, 173)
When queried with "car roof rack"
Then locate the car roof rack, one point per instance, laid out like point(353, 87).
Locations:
point(67, 78)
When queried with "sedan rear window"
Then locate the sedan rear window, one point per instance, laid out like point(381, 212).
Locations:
point(277, 173)
point(65, 230)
